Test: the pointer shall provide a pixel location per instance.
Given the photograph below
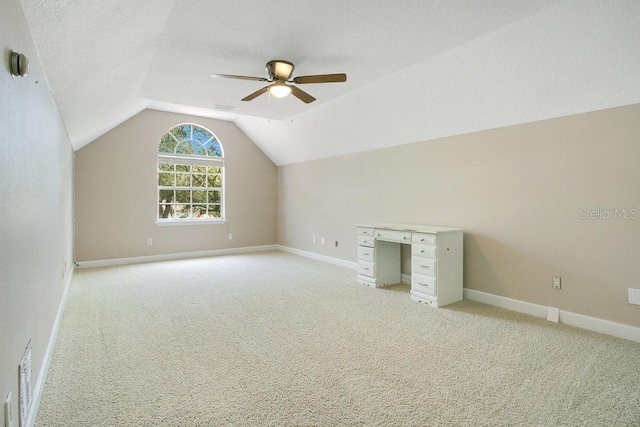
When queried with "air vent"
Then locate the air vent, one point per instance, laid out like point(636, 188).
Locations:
point(223, 107)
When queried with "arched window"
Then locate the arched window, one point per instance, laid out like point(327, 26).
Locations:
point(190, 176)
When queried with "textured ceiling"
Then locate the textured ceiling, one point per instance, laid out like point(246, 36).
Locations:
point(416, 69)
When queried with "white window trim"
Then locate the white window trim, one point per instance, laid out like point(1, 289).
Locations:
point(190, 221)
point(187, 160)
point(184, 160)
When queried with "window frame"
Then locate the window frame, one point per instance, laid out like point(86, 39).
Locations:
point(190, 161)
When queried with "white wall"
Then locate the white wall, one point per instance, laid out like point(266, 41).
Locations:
point(36, 193)
point(516, 191)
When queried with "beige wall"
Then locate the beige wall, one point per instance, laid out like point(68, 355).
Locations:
point(116, 203)
point(36, 193)
point(516, 191)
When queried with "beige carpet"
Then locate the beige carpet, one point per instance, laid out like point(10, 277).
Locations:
point(273, 339)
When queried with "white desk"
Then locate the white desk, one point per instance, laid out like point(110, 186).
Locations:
point(436, 260)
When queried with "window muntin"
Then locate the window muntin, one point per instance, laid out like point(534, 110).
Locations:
point(190, 175)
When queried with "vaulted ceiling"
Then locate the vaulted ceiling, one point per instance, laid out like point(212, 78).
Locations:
point(417, 69)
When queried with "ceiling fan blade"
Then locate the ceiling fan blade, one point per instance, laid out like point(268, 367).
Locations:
point(231, 76)
point(302, 95)
point(321, 78)
point(255, 94)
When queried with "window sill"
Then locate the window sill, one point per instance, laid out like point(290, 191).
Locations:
point(165, 223)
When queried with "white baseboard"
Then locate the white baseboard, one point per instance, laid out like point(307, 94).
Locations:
point(619, 330)
point(175, 256)
point(607, 327)
point(48, 354)
point(325, 258)
point(508, 303)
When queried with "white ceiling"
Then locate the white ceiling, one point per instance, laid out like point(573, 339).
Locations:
point(416, 69)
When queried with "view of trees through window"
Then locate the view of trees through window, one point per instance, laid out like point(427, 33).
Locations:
point(190, 175)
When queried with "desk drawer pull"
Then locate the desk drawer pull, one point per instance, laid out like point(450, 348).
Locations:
point(393, 235)
point(365, 241)
point(423, 251)
point(423, 284)
point(366, 268)
point(366, 253)
point(422, 265)
point(365, 231)
point(423, 238)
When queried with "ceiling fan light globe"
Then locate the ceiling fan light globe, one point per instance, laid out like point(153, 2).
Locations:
point(280, 91)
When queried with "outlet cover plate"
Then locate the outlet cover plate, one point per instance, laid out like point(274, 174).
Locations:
point(634, 296)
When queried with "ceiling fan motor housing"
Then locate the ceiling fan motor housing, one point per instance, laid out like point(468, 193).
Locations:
point(279, 69)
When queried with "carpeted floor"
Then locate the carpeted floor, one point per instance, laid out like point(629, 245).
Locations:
point(273, 339)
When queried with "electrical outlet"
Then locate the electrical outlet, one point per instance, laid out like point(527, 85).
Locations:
point(149, 242)
point(557, 282)
point(323, 241)
point(634, 296)
point(8, 413)
point(230, 236)
point(315, 239)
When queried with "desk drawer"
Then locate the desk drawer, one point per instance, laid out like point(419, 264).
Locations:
point(365, 231)
point(421, 265)
point(366, 254)
point(394, 236)
point(424, 239)
point(423, 284)
point(366, 268)
point(366, 241)
point(424, 251)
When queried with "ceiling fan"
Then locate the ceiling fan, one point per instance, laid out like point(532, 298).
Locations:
point(280, 78)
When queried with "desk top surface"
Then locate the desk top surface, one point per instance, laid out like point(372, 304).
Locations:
point(411, 227)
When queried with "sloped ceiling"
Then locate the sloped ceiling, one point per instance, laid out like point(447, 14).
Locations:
point(416, 70)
